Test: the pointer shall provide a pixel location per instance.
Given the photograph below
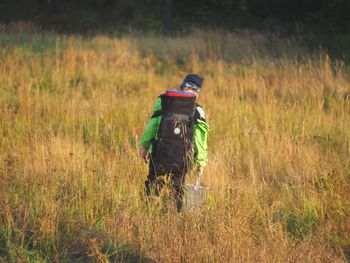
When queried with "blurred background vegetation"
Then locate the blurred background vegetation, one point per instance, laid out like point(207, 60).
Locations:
point(321, 24)
point(84, 16)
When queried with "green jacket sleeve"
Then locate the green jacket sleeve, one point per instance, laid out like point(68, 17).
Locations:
point(151, 128)
point(201, 130)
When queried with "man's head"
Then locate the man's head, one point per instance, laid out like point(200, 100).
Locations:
point(192, 82)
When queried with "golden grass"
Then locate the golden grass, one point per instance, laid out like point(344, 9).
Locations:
point(73, 110)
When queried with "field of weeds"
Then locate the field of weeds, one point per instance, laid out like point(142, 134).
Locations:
point(73, 108)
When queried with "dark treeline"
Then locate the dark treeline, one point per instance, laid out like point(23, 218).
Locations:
point(177, 14)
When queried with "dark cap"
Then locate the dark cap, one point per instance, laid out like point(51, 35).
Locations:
point(192, 81)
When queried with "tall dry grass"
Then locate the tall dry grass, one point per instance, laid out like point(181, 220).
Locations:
point(73, 110)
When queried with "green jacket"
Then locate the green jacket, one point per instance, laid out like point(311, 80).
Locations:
point(201, 129)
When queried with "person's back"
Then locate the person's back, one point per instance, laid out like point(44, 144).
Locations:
point(175, 136)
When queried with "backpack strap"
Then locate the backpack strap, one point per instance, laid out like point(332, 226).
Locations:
point(199, 114)
point(172, 116)
point(157, 114)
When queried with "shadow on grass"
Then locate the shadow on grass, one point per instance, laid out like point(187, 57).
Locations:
point(90, 248)
point(127, 253)
point(110, 253)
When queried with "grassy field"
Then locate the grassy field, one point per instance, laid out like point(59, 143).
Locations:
point(72, 110)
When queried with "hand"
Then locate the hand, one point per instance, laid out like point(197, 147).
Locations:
point(198, 177)
point(200, 170)
point(144, 154)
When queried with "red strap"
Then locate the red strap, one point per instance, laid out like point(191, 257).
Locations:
point(179, 94)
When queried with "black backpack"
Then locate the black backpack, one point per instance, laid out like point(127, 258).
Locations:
point(173, 148)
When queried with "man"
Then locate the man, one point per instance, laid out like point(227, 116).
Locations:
point(175, 136)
